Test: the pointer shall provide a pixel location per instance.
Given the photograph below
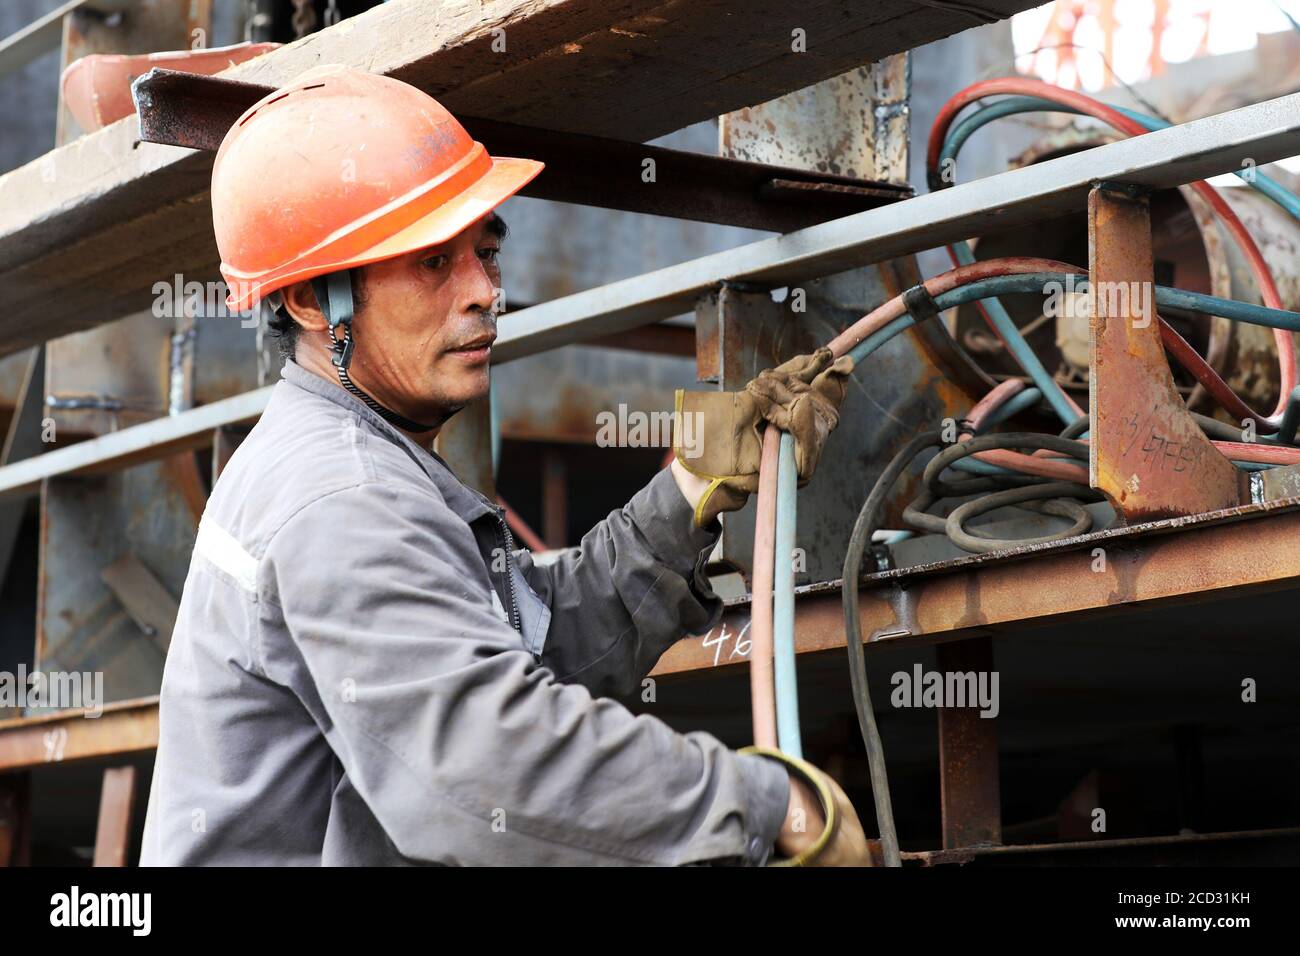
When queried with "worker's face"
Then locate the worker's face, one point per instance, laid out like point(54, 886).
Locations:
point(424, 325)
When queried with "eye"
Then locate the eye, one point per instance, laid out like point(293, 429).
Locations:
point(434, 262)
point(490, 254)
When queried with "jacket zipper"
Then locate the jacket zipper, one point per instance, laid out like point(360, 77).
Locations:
point(509, 540)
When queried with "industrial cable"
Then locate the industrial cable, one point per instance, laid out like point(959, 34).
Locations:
point(859, 340)
point(1177, 346)
point(935, 488)
point(867, 523)
point(1131, 127)
point(776, 498)
point(1059, 493)
point(762, 681)
point(1186, 355)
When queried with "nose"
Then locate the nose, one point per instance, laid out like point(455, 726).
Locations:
point(476, 283)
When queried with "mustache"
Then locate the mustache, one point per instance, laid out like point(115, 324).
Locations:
point(475, 333)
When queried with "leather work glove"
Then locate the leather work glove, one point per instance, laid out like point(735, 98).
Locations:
point(815, 842)
point(719, 434)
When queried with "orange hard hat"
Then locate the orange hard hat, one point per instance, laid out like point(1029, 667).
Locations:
point(342, 168)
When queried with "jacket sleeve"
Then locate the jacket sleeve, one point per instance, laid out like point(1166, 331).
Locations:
point(464, 747)
point(629, 591)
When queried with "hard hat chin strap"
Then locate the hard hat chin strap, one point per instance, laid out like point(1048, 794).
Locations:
point(334, 295)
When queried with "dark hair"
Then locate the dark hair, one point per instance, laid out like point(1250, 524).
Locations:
point(286, 330)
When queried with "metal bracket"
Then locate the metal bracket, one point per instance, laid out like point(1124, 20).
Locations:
point(1148, 455)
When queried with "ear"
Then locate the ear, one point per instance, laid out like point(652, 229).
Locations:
point(300, 303)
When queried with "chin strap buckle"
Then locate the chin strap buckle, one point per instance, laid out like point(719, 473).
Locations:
point(342, 357)
point(334, 296)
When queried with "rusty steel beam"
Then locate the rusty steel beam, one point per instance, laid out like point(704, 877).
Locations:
point(116, 801)
point(1147, 454)
point(1278, 484)
point(970, 793)
point(125, 727)
point(1161, 563)
point(185, 109)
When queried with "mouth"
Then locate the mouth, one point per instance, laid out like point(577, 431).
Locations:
point(475, 350)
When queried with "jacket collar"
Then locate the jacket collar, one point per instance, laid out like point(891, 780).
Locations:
point(467, 503)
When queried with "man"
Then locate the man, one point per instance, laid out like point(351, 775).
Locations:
point(364, 670)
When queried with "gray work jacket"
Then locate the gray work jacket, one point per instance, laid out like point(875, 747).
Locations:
point(364, 671)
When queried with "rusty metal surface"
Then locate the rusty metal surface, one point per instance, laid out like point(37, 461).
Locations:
point(15, 819)
point(97, 88)
point(196, 111)
point(969, 787)
point(466, 443)
point(1279, 483)
point(113, 832)
point(86, 525)
point(854, 124)
point(108, 378)
point(12, 369)
point(1094, 575)
point(1252, 354)
point(585, 389)
point(127, 727)
point(1147, 454)
point(146, 27)
point(1188, 240)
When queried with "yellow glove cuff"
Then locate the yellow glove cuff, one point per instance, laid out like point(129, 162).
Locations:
point(814, 779)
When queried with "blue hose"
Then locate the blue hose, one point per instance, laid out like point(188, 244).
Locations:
point(1019, 348)
point(1012, 406)
point(787, 688)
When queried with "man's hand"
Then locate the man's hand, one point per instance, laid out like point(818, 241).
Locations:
point(721, 442)
point(804, 824)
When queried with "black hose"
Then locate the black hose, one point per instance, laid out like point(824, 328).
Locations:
point(980, 541)
point(994, 442)
point(916, 514)
point(1060, 491)
point(1076, 427)
point(867, 524)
